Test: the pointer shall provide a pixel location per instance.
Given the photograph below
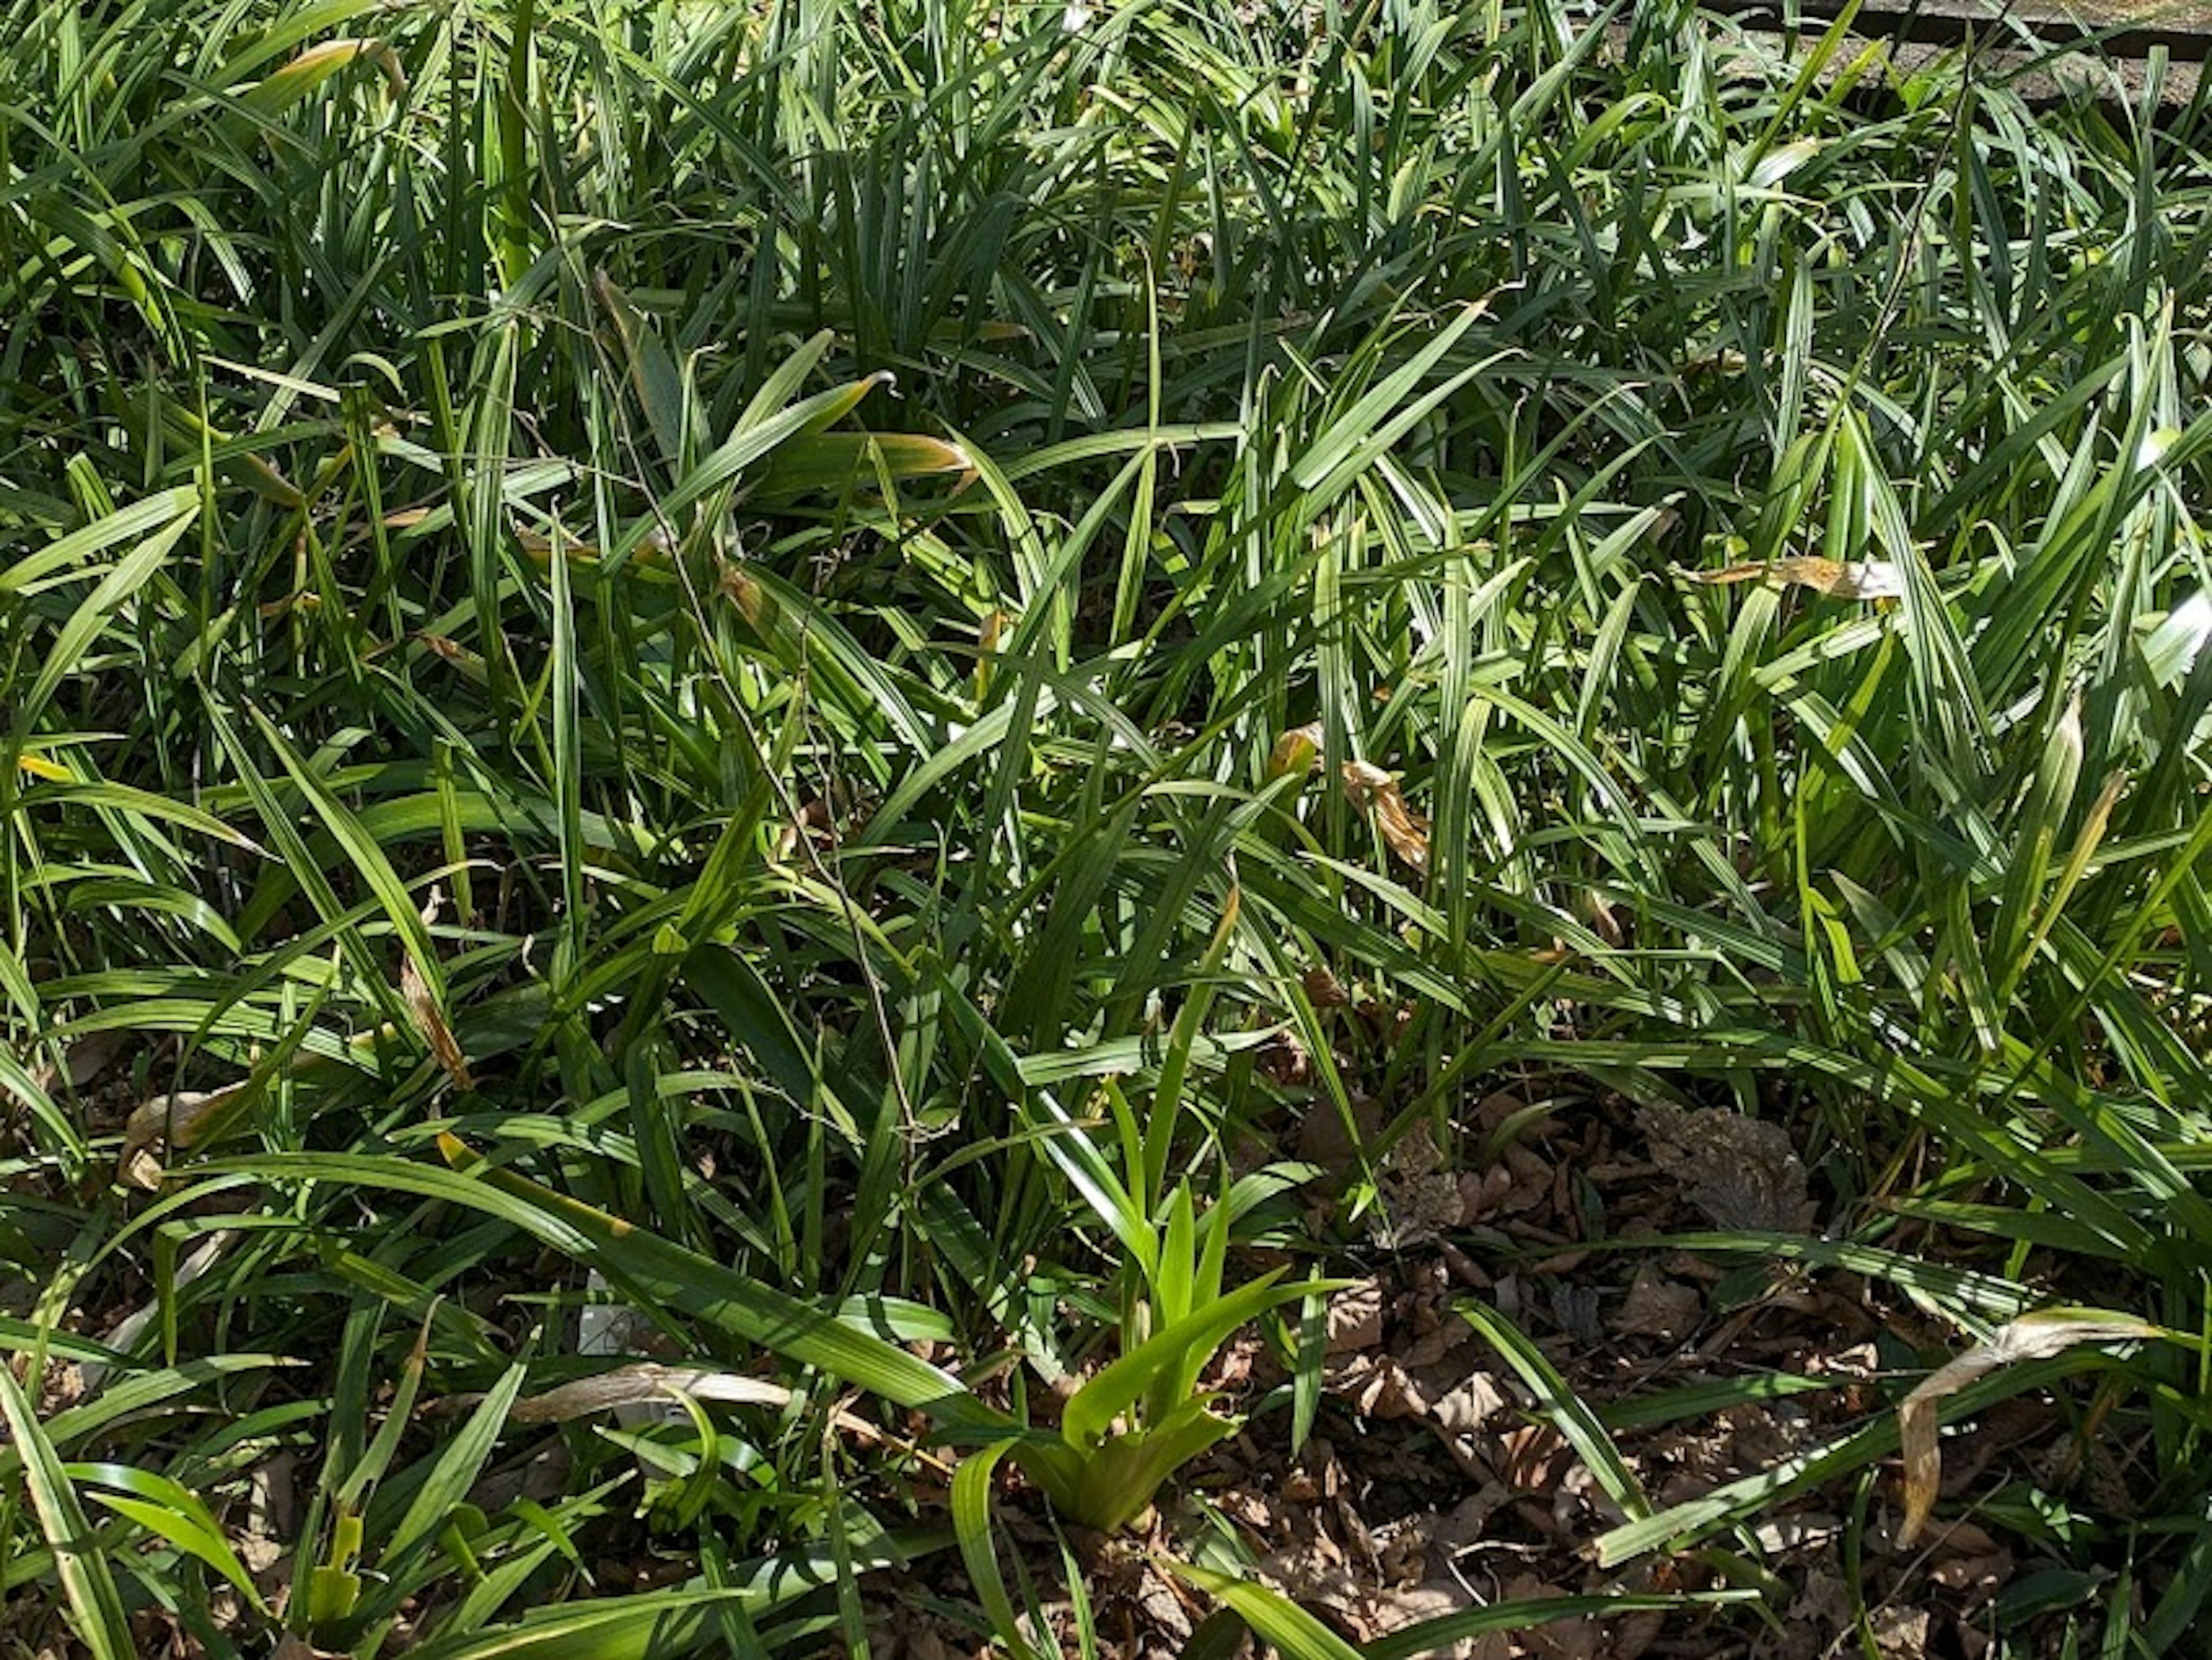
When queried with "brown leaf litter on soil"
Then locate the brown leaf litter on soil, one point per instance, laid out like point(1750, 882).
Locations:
point(1430, 1487)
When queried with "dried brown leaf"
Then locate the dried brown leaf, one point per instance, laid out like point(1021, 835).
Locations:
point(272, 1513)
point(431, 1021)
point(1404, 831)
point(173, 1122)
point(1324, 1139)
point(1741, 1172)
point(1395, 1607)
point(1354, 1321)
point(1580, 1639)
point(1421, 1196)
point(1378, 1387)
point(1471, 1405)
point(750, 597)
point(1633, 1636)
point(451, 651)
point(1298, 751)
point(1323, 989)
point(645, 1384)
point(2032, 1337)
point(90, 1056)
point(1871, 579)
point(1534, 1458)
point(1901, 1632)
point(1657, 1307)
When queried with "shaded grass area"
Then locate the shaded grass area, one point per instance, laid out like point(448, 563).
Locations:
point(799, 687)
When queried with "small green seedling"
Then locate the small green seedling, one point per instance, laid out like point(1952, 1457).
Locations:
point(1143, 1417)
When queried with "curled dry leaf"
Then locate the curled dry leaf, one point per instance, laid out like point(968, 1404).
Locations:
point(1471, 1405)
point(1377, 791)
point(1323, 989)
point(642, 1384)
point(423, 1004)
point(431, 1021)
point(1373, 791)
point(1901, 1632)
point(816, 823)
point(1298, 751)
point(2032, 1337)
point(171, 1122)
point(751, 601)
point(451, 651)
point(1871, 579)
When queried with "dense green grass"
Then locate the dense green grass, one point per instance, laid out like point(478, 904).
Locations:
point(705, 602)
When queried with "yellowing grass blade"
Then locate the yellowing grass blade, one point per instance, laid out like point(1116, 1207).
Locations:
point(316, 65)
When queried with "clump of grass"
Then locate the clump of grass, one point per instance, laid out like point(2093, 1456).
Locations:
point(753, 621)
